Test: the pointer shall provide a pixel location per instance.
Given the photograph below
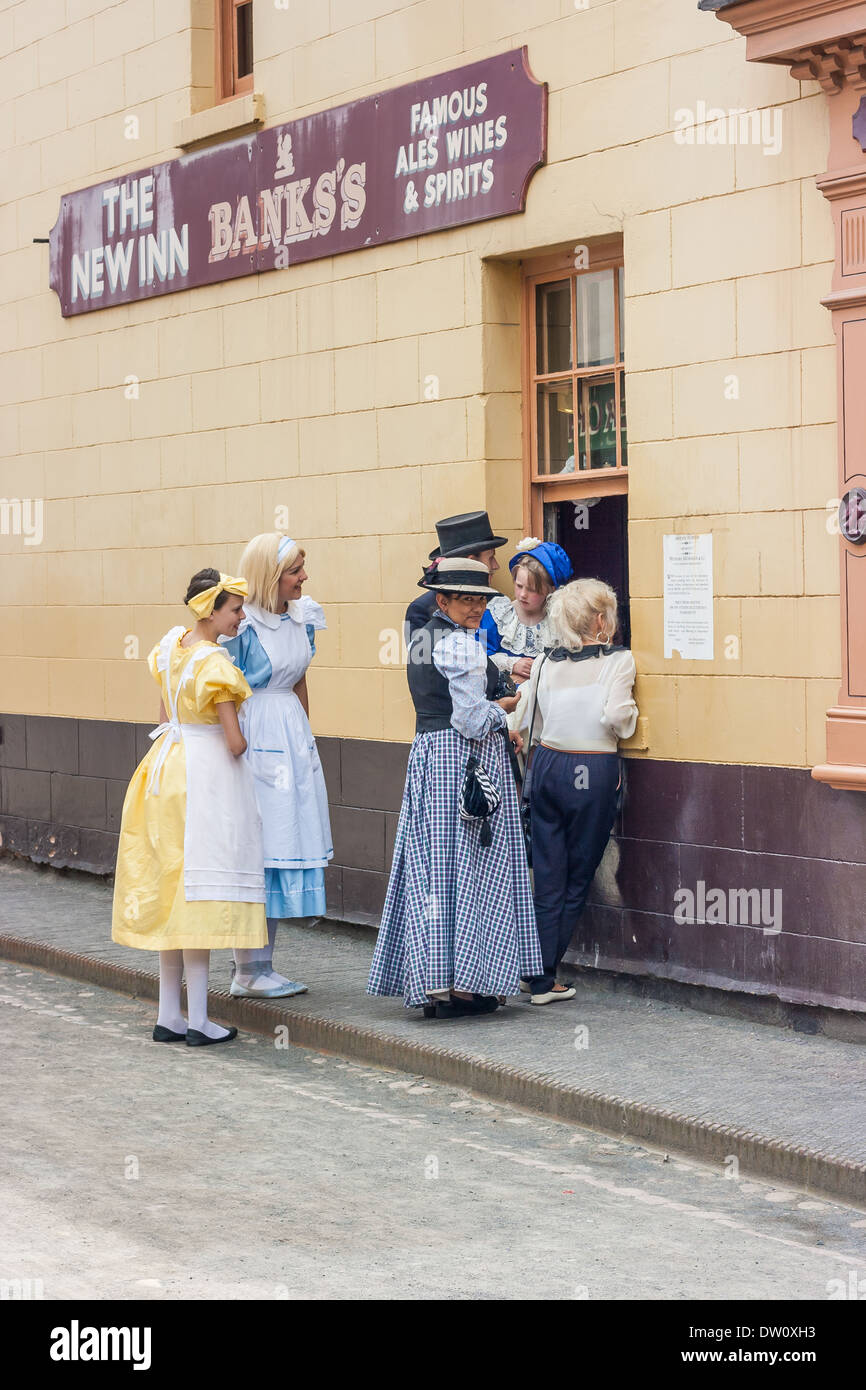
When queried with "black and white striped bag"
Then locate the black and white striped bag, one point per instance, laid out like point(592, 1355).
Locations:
point(479, 798)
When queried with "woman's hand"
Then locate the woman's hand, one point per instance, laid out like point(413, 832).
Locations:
point(516, 739)
point(227, 714)
point(522, 668)
point(508, 703)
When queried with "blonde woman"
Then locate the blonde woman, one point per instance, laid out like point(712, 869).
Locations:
point(274, 647)
point(518, 630)
point(578, 702)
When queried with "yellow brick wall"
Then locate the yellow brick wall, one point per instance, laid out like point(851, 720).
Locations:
point(306, 391)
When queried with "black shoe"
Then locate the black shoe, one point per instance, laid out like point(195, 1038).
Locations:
point(162, 1034)
point(196, 1039)
point(455, 1007)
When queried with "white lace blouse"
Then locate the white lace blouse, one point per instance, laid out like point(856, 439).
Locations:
point(586, 705)
point(509, 639)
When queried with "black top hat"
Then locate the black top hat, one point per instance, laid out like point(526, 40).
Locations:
point(466, 534)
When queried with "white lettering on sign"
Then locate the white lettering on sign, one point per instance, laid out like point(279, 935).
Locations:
point(290, 212)
point(129, 207)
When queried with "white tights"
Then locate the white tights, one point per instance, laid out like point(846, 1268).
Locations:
point(172, 965)
point(256, 964)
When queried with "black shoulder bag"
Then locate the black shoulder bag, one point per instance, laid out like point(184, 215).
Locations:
point(525, 813)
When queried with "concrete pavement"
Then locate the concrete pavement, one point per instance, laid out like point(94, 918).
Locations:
point(784, 1105)
point(144, 1172)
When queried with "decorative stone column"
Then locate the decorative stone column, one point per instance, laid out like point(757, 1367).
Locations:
point(825, 41)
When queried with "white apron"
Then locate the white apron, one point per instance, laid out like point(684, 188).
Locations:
point(223, 858)
point(281, 751)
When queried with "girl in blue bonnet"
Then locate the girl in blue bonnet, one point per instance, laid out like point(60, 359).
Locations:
point(517, 630)
point(274, 647)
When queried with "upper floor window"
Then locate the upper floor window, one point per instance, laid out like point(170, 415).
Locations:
point(577, 395)
point(234, 48)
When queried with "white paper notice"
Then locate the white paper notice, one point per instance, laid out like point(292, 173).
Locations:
point(689, 597)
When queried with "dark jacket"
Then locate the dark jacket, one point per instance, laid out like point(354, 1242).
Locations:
point(419, 612)
point(429, 689)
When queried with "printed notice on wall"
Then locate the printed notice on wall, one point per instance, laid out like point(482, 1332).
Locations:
point(688, 590)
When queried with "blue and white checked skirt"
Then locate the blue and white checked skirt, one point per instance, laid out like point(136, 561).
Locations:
point(457, 915)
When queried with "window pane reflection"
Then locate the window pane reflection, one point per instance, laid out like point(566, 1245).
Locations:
point(596, 423)
point(595, 319)
point(553, 327)
point(555, 428)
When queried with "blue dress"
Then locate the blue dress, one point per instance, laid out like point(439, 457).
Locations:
point(274, 650)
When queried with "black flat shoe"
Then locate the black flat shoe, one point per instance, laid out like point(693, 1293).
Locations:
point(455, 1007)
point(162, 1034)
point(196, 1039)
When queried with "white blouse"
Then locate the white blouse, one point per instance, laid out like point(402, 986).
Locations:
point(585, 705)
point(462, 660)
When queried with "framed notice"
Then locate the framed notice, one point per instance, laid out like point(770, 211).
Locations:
point(688, 597)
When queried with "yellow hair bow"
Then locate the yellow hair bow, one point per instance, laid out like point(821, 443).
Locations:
point(202, 604)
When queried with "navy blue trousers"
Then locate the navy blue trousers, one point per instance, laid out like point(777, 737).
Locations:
point(572, 799)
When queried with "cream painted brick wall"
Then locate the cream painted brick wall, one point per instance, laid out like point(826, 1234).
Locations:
point(338, 443)
point(426, 298)
point(160, 67)
point(448, 488)
point(742, 234)
point(720, 77)
point(788, 469)
point(649, 29)
point(576, 47)
point(615, 110)
point(684, 477)
point(307, 392)
point(124, 29)
point(192, 460)
point(67, 51)
point(647, 252)
point(747, 393)
point(293, 388)
point(804, 132)
point(680, 327)
point(418, 36)
point(279, 30)
point(30, 23)
point(326, 70)
point(783, 311)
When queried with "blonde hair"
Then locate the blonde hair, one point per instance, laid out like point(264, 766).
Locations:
point(262, 570)
point(537, 577)
point(572, 611)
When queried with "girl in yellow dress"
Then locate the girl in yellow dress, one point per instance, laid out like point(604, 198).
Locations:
point(190, 863)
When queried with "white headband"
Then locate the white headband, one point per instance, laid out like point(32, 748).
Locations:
point(283, 548)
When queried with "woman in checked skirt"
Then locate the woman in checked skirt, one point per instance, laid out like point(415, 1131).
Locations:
point(458, 929)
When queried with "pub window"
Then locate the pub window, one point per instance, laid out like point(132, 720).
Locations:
point(234, 48)
point(574, 428)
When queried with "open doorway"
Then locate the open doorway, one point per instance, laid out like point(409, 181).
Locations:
point(593, 532)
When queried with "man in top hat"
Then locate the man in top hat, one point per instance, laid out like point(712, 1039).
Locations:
point(468, 536)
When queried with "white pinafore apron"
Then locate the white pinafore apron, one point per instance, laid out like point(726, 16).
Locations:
point(223, 858)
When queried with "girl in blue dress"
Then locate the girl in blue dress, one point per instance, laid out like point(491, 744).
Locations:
point(274, 647)
point(517, 630)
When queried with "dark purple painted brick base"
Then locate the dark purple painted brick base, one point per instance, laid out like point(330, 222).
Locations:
point(754, 829)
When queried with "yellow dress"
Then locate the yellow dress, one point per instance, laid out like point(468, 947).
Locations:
point(151, 908)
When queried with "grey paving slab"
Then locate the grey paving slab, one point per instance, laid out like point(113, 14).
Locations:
point(802, 1090)
point(128, 1166)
